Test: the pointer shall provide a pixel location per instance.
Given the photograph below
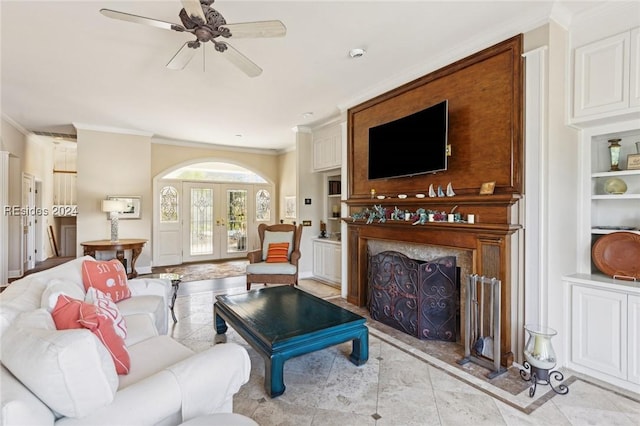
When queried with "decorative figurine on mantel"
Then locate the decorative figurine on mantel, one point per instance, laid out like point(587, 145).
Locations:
point(450, 192)
point(432, 193)
point(440, 192)
point(323, 230)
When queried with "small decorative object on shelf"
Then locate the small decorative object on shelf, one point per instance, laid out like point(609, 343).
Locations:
point(402, 196)
point(432, 193)
point(487, 188)
point(335, 210)
point(540, 358)
point(419, 195)
point(450, 192)
point(440, 192)
point(615, 186)
point(373, 192)
point(471, 218)
point(323, 230)
point(614, 151)
point(633, 161)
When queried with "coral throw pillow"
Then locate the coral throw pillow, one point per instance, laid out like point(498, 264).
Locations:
point(107, 308)
point(72, 313)
point(278, 253)
point(107, 276)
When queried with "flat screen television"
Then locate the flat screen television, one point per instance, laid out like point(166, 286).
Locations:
point(412, 145)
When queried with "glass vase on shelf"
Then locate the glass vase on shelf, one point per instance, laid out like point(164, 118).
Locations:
point(614, 152)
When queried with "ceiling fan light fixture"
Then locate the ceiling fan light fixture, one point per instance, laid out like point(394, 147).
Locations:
point(357, 52)
point(307, 114)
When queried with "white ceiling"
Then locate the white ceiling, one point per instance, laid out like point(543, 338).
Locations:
point(64, 63)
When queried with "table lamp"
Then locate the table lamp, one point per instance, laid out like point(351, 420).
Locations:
point(113, 207)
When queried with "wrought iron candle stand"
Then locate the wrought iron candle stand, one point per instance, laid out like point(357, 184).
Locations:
point(540, 358)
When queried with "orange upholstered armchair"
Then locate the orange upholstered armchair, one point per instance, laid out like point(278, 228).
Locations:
point(276, 262)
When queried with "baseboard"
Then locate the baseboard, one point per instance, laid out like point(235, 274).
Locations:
point(143, 270)
point(14, 273)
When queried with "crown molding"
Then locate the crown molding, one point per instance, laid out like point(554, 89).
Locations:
point(205, 145)
point(109, 129)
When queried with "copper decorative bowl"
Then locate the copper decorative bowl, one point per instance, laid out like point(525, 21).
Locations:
point(618, 254)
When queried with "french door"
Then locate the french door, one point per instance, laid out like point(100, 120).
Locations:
point(204, 221)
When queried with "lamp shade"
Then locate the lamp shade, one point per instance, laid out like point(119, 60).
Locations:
point(113, 206)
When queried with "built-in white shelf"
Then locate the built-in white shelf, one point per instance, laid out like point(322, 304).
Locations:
point(618, 173)
point(616, 197)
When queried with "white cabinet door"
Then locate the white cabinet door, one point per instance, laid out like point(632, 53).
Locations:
point(633, 374)
point(327, 261)
point(318, 259)
point(327, 148)
point(599, 330)
point(333, 262)
point(634, 70)
point(601, 79)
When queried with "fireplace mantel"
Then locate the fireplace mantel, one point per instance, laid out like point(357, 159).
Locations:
point(491, 240)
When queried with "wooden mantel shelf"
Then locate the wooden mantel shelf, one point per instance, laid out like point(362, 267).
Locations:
point(487, 228)
point(496, 199)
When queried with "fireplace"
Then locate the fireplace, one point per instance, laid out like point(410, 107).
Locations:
point(486, 249)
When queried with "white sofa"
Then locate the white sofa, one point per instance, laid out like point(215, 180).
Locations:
point(72, 370)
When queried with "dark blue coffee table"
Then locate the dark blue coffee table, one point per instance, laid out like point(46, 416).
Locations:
point(283, 322)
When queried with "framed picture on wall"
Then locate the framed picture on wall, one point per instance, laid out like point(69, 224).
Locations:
point(290, 207)
point(133, 204)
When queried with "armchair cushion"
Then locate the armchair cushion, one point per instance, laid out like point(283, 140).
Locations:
point(276, 237)
point(271, 268)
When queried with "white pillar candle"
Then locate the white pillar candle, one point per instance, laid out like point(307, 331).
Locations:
point(471, 218)
point(538, 346)
point(430, 217)
point(450, 217)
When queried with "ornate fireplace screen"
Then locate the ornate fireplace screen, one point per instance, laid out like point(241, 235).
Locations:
point(416, 297)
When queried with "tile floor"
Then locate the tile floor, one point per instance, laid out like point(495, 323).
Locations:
point(399, 385)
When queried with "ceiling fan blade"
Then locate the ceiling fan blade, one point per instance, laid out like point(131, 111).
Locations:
point(193, 8)
point(257, 29)
point(182, 57)
point(138, 19)
point(245, 64)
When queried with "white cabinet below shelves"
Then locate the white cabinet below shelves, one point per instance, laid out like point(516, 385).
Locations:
point(327, 260)
point(604, 330)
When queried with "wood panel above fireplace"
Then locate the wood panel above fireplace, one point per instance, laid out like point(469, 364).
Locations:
point(485, 95)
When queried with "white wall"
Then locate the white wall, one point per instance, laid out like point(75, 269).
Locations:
point(112, 163)
point(309, 185)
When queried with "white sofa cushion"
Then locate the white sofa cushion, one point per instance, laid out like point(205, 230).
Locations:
point(276, 237)
point(69, 370)
point(153, 355)
point(56, 287)
point(19, 405)
point(153, 306)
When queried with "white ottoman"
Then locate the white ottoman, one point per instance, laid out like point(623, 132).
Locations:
point(221, 419)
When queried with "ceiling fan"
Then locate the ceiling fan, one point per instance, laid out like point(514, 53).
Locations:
point(207, 24)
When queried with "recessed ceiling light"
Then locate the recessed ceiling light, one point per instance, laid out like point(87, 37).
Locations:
point(239, 135)
point(307, 114)
point(356, 52)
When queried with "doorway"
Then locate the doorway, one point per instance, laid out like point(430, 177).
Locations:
point(201, 220)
